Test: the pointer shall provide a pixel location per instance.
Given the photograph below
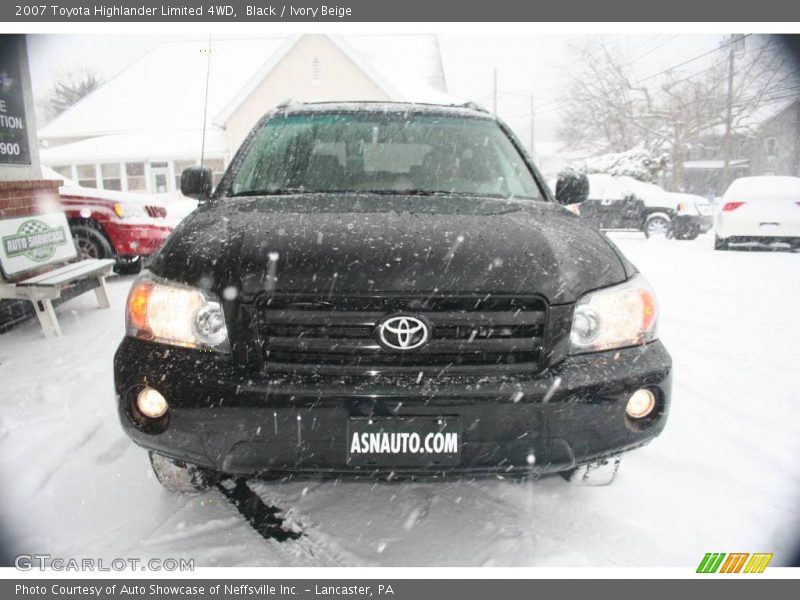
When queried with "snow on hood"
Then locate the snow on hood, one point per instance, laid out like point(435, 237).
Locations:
point(111, 195)
point(610, 187)
point(765, 187)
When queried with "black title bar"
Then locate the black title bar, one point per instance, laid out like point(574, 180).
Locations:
point(399, 11)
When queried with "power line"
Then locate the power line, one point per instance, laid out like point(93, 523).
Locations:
point(630, 62)
point(791, 90)
point(648, 41)
point(650, 51)
point(558, 104)
point(698, 57)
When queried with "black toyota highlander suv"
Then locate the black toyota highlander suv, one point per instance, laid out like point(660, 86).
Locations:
point(383, 289)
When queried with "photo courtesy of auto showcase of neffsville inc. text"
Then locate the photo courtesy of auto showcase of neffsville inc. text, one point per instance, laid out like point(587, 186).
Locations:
point(284, 295)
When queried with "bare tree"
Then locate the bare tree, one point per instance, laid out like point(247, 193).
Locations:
point(601, 106)
point(69, 88)
point(608, 110)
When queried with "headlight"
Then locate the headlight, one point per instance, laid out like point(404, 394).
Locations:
point(171, 313)
point(615, 317)
point(127, 210)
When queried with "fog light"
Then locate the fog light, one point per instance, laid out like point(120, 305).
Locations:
point(641, 404)
point(151, 404)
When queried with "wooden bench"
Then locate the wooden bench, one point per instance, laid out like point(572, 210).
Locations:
point(63, 280)
point(44, 288)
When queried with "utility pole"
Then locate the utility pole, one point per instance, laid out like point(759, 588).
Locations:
point(726, 141)
point(494, 92)
point(533, 129)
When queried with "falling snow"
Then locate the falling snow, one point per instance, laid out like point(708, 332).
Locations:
point(722, 475)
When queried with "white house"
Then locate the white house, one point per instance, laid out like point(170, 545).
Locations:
point(138, 131)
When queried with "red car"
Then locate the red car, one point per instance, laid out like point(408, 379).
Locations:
point(110, 224)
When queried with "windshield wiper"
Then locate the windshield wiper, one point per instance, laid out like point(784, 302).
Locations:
point(274, 192)
point(407, 192)
point(424, 192)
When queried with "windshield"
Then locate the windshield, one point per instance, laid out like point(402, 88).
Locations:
point(383, 153)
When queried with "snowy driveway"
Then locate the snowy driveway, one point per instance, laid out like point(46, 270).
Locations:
point(723, 477)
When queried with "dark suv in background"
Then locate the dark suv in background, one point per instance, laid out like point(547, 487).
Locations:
point(622, 203)
point(386, 290)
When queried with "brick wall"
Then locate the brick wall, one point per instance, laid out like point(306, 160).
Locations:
point(22, 199)
point(13, 312)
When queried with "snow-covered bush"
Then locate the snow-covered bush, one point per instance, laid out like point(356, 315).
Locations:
point(638, 163)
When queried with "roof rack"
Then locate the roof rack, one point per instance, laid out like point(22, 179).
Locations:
point(474, 106)
point(287, 103)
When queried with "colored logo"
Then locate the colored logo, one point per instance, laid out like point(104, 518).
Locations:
point(736, 562)
point(34, 239)
point(403, 333)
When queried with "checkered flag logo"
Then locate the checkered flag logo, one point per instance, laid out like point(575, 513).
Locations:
point(32, 228)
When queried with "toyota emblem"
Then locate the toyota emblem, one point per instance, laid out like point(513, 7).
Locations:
point(403, 333)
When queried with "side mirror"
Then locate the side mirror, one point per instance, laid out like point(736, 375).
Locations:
point(572, 187)
point(196, 182)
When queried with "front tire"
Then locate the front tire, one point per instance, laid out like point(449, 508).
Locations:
point(129, 266)
point(658, 226)
point(180, 477)
point(90, 243)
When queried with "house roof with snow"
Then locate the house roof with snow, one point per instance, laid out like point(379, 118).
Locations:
point(165, 89)
point(140, 146)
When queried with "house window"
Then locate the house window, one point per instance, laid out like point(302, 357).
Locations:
point(316, 72)
point(135, 175)
point(772, 147)
point(87, 176)
point(111, 174)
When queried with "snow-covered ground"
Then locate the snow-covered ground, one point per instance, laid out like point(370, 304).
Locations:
point(723, 477)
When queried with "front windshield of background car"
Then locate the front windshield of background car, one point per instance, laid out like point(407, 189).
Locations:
point(383, 153)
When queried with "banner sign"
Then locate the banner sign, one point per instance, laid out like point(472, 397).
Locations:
point(29, 242)
point(373, 589)
point(392, 11)
point(14, 148)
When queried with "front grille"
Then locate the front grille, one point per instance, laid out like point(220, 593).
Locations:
point(155, 212)
point(465, 330)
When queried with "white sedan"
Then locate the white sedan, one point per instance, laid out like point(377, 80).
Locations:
point(762, 210)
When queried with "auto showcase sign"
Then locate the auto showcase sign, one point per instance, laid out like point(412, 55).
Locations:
point(14, 148)
point(30, 242)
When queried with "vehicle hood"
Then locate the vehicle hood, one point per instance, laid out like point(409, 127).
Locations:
point(325, 243)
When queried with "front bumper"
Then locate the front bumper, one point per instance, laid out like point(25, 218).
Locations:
point(136, 239)
point(222, 416)
point(691, 224)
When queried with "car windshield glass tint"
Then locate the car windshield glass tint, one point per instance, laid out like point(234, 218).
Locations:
point(383, 153)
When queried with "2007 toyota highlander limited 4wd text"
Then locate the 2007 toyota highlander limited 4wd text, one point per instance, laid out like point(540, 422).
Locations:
point(388, 290)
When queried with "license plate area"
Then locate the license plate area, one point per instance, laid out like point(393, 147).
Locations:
point(404, 441)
